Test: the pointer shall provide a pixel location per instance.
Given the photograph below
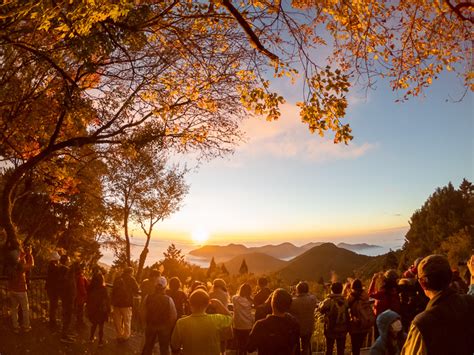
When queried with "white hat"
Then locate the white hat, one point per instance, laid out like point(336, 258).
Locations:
point(54, 256)
point(161, 282)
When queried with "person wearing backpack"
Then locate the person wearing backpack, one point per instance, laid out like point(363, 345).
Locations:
point(336, 319)
point(362, 316)
point(160, 317)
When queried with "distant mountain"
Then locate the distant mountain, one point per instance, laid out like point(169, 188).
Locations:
point(258, 263)
point(280, 251)
point(320, 261)
point(357, 247)
point(224, 253)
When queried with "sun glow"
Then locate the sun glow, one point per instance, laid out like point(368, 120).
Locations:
point(200, 236)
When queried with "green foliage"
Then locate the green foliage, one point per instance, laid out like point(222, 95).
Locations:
point(448, 212)
point(390, 261)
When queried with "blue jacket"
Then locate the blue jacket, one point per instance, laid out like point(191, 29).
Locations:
point(384, 320)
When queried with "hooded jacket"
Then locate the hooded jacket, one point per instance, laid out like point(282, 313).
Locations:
point(384, 321)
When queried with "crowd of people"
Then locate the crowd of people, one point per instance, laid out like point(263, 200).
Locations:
point(428, 310)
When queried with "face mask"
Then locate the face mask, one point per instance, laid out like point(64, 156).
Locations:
point(396, 326)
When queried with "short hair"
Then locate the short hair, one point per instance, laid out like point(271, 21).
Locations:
point(64, 259)
point(436, 270)
point(336, 287)
point(302, 287)
point(262, 282)
point(281, 300)
point(356, 285)
point(174, 283)
point(199, 299)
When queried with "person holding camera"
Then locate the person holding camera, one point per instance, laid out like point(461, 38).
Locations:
point(445, 327)
point(17, 286)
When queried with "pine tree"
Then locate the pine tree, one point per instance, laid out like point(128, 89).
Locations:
point(212, 268)
point(243, 268)
point(224, 270)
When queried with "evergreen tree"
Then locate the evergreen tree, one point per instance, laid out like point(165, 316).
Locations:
point(243, 268)
point(391, 260)
point(224, 269)
point(445, 213)
point(212, 268)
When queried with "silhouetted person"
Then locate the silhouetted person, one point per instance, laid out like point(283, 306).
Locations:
point(124, 289)
point(362, 317)
point(263, 292)
point(52, 288)
point(98, 306)
point(243, 319)
point(179, 297)
point(336, 319)
point(67, 295)
point(160, 317)
point(447, 324)
point(302, 308)
point(81, 295)
point(279, 333)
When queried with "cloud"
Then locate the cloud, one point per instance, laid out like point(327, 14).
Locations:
point(289, 138)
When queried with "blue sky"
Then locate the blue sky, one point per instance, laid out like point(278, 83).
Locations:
point(286, 184)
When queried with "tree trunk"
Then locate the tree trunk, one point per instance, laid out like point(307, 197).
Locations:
point(127, 237)
point(143, 255)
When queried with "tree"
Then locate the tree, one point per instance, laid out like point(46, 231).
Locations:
point(182, 74)
point(243, 268)
point(390, 260)
point(458, 247)
point(446, 213)
point(212, 268)
point(174, 264)
point(224, 270)
point(144, 190)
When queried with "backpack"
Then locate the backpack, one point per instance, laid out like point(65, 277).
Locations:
point(362, 315)
point(157, 310)
point(338, 317)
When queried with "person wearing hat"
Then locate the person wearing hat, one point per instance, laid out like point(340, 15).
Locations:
point(124, 289)
point(52, 287)
point(160, 317)
point(447, 324)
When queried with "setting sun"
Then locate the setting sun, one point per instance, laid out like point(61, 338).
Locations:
point(200, 236)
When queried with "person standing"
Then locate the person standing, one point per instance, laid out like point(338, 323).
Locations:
point(179, 297)
point(97, 306)
point(81, 295)
point(336, 319)
point(124, 289)
point(263, 292)
point(67, 295)
point(243, 319)
point(17, 288)
point(52, 288)
point(302, 308)
point(362, 317)
point(199, 333)
point(278, 334)
point(447, 324)
point(386, 297)
point(160, 317)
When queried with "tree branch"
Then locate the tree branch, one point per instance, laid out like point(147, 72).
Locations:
point(457, 9)
point(253, 38)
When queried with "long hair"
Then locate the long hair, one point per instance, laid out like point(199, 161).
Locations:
point(245, 290)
